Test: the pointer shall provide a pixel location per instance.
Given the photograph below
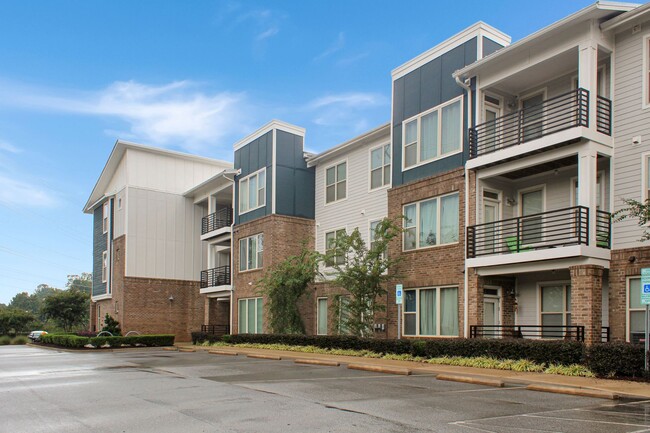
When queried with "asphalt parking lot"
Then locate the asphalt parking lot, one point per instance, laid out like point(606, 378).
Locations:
point(150, 390)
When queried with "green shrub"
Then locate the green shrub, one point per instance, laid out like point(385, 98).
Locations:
point(75, 342)
point(65, 340)
point(5, 340)
point(21, 339)
point(616, 360)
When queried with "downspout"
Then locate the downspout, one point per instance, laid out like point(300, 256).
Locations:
point(465, 85)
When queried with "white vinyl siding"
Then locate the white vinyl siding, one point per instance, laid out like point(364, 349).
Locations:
point(250, 316)
point(433, 134)
point(431, 222)
point(251, 252)
point(252, 191)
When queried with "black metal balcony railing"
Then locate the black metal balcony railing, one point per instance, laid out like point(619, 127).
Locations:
point(216, 277)
point(603, 229)
point(215, 329)
point(550, 116)
point(604, 115)
point(217, 220)
point(562, 332)
point(557, 228)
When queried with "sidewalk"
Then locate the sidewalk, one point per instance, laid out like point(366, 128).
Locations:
point(621, 388)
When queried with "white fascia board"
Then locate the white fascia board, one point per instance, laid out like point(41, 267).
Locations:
point(273, 124)
point(576, 252)
point(480, 28)
point(215, 182)
point(361, 139)
point(626, 19)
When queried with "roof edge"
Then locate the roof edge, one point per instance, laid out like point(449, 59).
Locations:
point(315, 159)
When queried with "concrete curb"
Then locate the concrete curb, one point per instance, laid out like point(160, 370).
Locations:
point(317, 362)
point(380, 369)
point(186, 349)
point(582, 392)
point(260, 356)
point(170, 349)
point(471, 379)
point(222, 352)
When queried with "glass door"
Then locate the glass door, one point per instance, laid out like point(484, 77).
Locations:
point(532, 117)
point(532, 203)
point(491, 214)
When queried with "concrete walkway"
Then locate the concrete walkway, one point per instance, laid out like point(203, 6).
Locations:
point(539, 381)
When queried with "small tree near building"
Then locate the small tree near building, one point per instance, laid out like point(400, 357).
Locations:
point(637, 210)
point(69, 308)
point(362, 270)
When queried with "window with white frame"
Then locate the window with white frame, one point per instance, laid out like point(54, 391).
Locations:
point(433, 134)
point(336, 182)
point(635, 310)
point(104, 266)
point(105, 218)
point(250, 316)
point(556, 309)
point(646, 179)
point(431, 311)
point(344, 315)
point(252, 191)
point(380, 166)
point(321, 316)
point(646, 71)
point(431, 222)
point(333, 256)
point(251, 252)
point(373, 232)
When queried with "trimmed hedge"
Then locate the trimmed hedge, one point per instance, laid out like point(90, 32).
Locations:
point(616, 360)
point(76, 342)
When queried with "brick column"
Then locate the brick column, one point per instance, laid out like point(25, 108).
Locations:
point(586, 300)
point(474, 299)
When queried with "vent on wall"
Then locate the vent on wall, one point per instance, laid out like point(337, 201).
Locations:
point(636, 29)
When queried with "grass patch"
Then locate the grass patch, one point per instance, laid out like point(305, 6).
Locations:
point(522, 365)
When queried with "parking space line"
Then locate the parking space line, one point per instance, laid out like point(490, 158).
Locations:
point(466, 425)
point(585, 420)
point(611, 412)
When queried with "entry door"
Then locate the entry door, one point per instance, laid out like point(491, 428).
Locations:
point(491, 214)
point(533, 117)
point(491, 112)
point(491, 316)
point(532, 202)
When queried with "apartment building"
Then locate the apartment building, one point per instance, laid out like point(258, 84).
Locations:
point(504, 162)
point(146, 257)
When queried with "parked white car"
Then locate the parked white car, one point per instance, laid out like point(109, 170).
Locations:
point(36, 335)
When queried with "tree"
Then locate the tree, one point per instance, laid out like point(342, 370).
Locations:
point(25, 302)
point(111, 325)
point(635, 210)
point(363, 271)
point(284, 284)
point(13, 320)
point(83, 282)
point(69, 308)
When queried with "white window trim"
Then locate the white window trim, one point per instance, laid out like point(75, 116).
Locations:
point(334, 230)
point(417, 216)
point(567, 308)
point(390, 165)
point(645, 161)
point(627, 305)
point(522, 191)
point(247, 300)
point(318, 315)
point(257, 264)
point(418, 117)
point(239, 205)
point(438, 290)
point(104, 266)
point(105, 212)
point(645, 73)
point(347, 182)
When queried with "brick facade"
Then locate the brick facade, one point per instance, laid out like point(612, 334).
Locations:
point(434, 266)
point(586, 300)
point(283, 236)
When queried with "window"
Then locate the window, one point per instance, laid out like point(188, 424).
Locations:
point(636, 310)
point(380, 166)
point(251, 252)
point(105, 218)
point(646, 72)
point(335, 182)
point(556, 309)
point(104, 266)
point(431, 312)
point(250, 316)
point(373, 232)
point(646, 178)
point(252, 191)
point(119, 203)
point(433, 134)
point(330, 248)
point(344, 315)
point(321, 318)
point(431, 222)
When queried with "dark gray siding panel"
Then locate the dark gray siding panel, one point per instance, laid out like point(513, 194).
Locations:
point(291, 172)
point(489, 46)
point(99, 246)
point(249, 159)
point(420, 90)
point(305, 188)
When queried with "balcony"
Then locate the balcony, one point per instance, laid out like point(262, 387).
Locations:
point(561, 113)
point(557, 332)
point(216, 330)
point(540, 231)
point(215, 277)
point(217, 220)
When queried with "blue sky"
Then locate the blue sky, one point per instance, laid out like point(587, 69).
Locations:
point(189, 76)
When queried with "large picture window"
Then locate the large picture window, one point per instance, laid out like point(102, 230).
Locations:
point(431, 311)
point(433, 134)
point(380, 166)
point(635, 310)
point(250, 316)
point(321, 316)
point(252, 191)
point(336, 182)
point(251, 252)
point(431, 222)
point(556, 309)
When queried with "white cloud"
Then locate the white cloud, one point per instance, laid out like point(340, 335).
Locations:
point(337, 45)
point(17, 192)
point(176, 113)
point(354, 99)
point(267, 34)
point(8, 147)
point(348, 112)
